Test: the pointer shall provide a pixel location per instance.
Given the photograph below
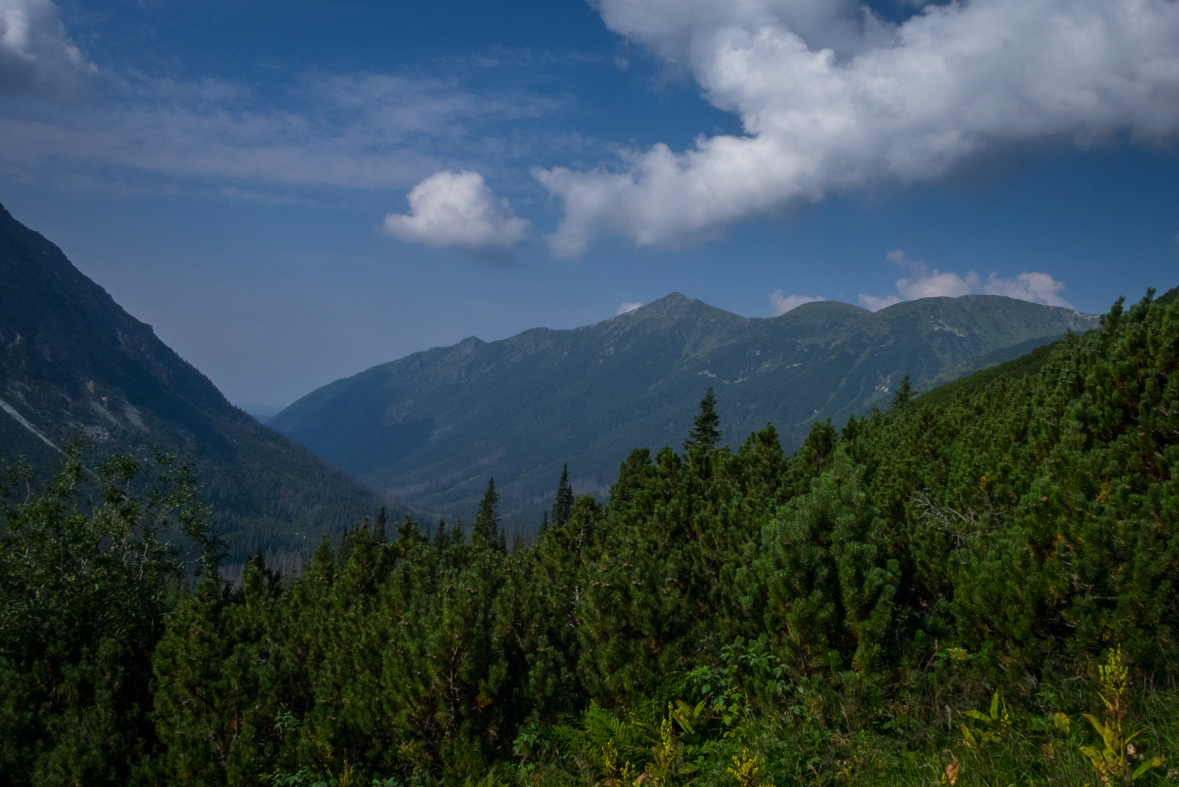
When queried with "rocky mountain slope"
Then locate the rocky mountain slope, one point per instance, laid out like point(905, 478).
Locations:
point(74, 363)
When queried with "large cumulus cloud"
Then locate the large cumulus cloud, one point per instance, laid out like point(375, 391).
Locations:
point(833, 99)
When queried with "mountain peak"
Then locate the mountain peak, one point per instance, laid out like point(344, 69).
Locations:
point(675, 307)
point(818, 311)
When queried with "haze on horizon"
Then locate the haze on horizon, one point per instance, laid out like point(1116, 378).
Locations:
point(292, 196)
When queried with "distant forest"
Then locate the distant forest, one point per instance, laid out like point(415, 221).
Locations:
point(978, 586)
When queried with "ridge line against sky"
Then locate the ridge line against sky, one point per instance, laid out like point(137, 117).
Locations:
point(487, 171)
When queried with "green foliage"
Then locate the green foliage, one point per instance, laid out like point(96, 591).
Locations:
point(563, 505)
point(1113, 758)
point(223, 685)
point(1016, 363)
point(485, 532)
point(904, 394)
point(84, 590)
point(705, 432)
point(828, 588)
point(994, 722)
point(910, 600)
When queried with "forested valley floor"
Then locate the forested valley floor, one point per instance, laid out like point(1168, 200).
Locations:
point(977, 587)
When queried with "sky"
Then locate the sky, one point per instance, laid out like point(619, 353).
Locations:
point(290, 193)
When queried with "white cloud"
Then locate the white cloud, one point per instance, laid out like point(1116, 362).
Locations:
point(459, 210)
point(833, 99)
point(625, 307)
point(783, 304)
point(926, 282)
point(1035, 287)
point(36, 54)
point(874, 304)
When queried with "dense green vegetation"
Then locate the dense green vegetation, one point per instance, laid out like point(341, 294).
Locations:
point(937, 594)
point(84, 588)
point(523, 407)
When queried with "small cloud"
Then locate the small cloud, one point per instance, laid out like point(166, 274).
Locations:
point(625, 307)
point(783, 304)
point(874, 304)
point(1034, 287)
point(458, 210)
point(622, 63)
point(926, 282)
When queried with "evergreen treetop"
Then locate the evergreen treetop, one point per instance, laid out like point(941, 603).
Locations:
point(485, 531)
point(379, 532)
point(904, 394)
point(563, 506)
point(705, 432)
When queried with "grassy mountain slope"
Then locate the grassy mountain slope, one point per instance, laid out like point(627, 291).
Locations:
point(73, 362)
point(431, 427)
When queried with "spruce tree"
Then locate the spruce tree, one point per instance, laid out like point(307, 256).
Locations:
point(705, 432)
point(485, 531)
point(563, 506)
point(379, 532)
point(904, 394)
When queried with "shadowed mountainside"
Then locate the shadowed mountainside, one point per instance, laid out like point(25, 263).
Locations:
point(73, 362)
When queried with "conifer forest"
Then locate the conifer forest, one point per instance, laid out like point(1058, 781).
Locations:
point(978, 586)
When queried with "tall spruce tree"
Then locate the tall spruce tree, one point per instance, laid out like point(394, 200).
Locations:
point(563, 506)
point(904, 394)
point(705, 432)
point(379, 531)
point(485, 531)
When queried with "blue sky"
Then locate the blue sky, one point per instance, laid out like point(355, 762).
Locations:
point(292, 192)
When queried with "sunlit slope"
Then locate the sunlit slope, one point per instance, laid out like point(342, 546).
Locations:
point(431, 427)
point(73, 362)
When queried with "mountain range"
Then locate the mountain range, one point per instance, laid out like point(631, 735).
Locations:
point(74, 363)
point(432, 427)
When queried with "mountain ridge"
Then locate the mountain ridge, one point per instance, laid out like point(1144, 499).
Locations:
point(432, 426)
